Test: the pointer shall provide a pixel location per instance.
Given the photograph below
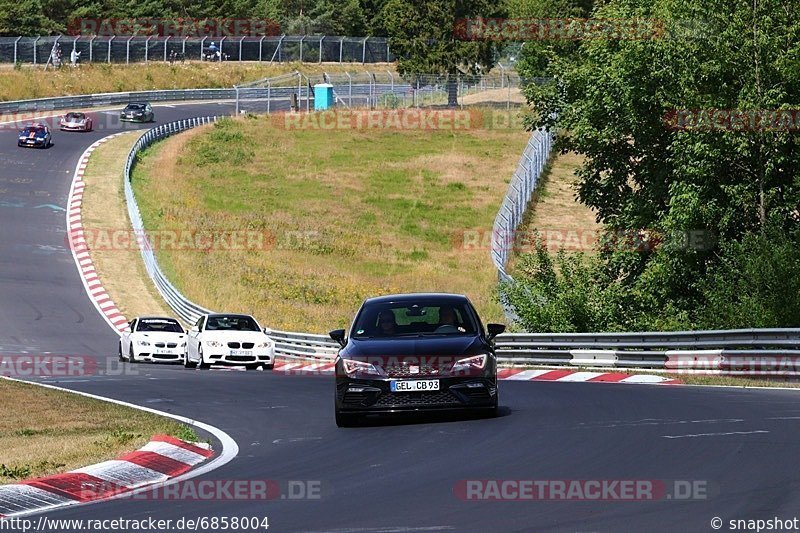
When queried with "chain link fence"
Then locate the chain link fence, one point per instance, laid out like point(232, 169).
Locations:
point(520, 190)
point(385, 89)
point(136, 49)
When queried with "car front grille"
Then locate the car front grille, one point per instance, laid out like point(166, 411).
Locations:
point(166, 345)
point(404, 370)
point(441, 398)
point(237, 345)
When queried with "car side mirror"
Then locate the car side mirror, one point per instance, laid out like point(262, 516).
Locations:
point(494, 330)
point(338, 336)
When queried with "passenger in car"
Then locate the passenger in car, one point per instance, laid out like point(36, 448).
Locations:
point(447, 316)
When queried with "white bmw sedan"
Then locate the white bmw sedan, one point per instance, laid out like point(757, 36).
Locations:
point(154, 339)
point(228, 339)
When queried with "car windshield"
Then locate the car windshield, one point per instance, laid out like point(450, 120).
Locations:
point(75, 116)
point(32, 129)
point(159, 325)
point(395, 319)
point(232, 323)
point(135, 107)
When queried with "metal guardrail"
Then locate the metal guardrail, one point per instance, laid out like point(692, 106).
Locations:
point(713, 350)
point(177, 95)
point(187, 310)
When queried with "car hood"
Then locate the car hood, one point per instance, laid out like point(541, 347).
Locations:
point(235, 335)
point(426, 346)
point(158, 336)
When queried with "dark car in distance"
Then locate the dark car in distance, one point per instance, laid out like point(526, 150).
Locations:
point(415, 353)
point(138, 112)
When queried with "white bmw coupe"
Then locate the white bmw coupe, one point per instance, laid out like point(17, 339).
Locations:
point(153, 338)
point(228, 339)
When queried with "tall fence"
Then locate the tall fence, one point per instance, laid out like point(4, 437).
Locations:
point(135, 49)
point(520, 190)
point(386, 89)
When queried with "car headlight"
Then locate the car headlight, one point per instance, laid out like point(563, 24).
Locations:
point(143, 343)
point(214, 344)
point(265, 344)
point(359, 367)
point(468, 363)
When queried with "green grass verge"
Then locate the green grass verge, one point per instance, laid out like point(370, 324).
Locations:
point(349, 214)
point(45, 431)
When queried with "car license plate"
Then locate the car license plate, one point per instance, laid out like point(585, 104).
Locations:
point(163, 352)
point(241, 352)
point(416, 385)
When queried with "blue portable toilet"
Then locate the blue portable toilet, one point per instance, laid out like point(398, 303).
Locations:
point(323, 96)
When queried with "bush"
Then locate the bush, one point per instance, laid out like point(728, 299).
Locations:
point(755, 284)
point(752, 283)
point(561, 295)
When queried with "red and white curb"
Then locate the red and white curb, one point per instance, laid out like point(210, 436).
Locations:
point(518, 374)
point(80, 250)
point(290, 367)
point(163, 458)
point(293, 366)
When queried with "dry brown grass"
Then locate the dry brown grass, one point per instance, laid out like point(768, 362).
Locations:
point(104, 211)
point(44, 431)
point(386, 209)
point(562, 222)
point(495, 96)
point(32, 82)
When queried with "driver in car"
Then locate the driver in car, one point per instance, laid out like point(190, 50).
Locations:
point(386, 323)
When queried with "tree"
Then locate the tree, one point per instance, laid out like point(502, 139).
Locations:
point(423, 37)
point(23, 18)
point(611, 102)
point(536, 54)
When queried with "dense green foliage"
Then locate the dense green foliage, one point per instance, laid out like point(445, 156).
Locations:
point(329, 17)
point(424, 35)
point(611, 97)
